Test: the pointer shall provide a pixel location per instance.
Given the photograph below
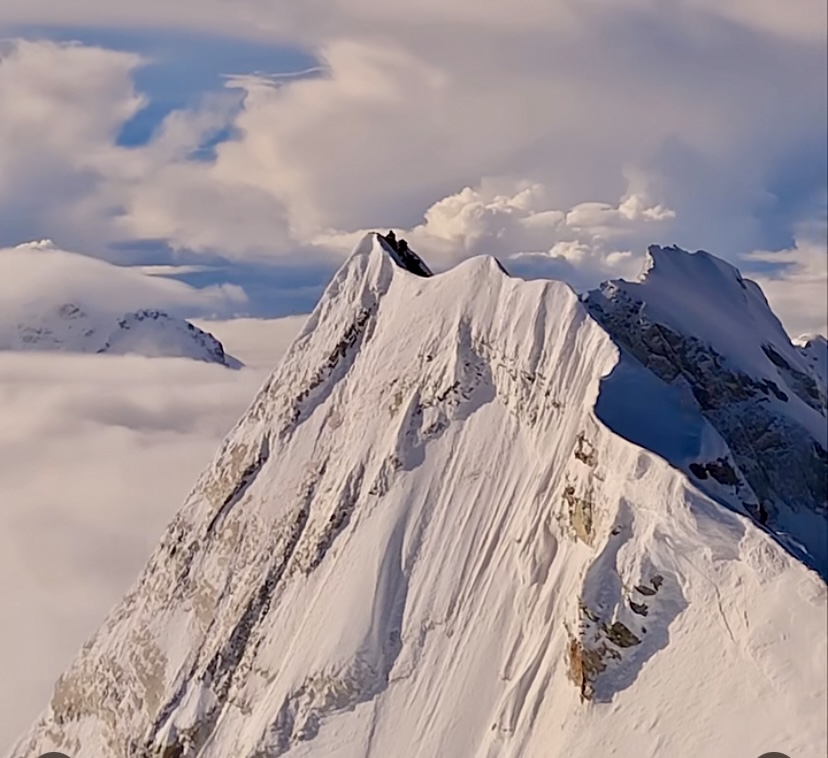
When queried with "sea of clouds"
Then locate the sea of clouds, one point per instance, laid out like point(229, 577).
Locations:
point(97, 453)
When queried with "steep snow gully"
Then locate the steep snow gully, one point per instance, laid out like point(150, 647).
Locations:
point(474, 516)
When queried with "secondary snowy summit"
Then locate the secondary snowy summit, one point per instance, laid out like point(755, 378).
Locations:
point(711, 336)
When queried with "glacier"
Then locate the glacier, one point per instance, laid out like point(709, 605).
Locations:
point(475, 516)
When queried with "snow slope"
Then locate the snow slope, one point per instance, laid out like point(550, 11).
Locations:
point(433, 534)
point(152, 333)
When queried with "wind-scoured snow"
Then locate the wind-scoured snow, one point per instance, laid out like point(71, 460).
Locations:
point(444, 527)
point(79, 329)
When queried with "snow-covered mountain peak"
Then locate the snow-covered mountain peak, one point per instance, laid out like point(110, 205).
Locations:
point(696, 323)
point(446, 526)
point(154, 333)
point(73, 327)
point(677, 266)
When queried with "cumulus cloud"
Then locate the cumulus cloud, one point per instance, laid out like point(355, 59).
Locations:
point(63, 174)
point(675, 107)
point(515, 222)
point(63, 107)
point(81, 438)
point(499, 219)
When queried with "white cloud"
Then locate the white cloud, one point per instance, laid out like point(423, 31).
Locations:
point(514, 222)
point(799, 19)
point(309, 156)
point(521, 220)
point(62, 108)
point(609, 219)
point(798, 291)
point(62, 173)
point(656, 105)
point(81, 438)
point(38, 277)
point(217, 16)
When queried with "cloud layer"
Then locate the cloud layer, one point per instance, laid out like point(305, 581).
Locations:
point(38, 277)
point(81, 438)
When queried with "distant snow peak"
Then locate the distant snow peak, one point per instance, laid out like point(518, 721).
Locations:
point(464, 514)
point(70, 327)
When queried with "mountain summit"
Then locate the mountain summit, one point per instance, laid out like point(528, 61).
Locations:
point(474, 516)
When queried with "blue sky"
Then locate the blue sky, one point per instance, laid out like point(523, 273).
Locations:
point(182, 67)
